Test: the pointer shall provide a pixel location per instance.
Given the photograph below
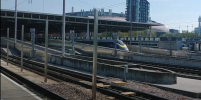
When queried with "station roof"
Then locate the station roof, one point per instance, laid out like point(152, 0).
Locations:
point(79, 24)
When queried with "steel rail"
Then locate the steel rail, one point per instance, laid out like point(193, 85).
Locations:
point(73, 77)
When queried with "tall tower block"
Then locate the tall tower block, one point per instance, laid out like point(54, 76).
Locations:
point(199, 20)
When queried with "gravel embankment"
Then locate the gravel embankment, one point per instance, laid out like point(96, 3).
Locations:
point(151, 90)
point(73, 91)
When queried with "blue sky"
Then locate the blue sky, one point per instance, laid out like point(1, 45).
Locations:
point(173, 13)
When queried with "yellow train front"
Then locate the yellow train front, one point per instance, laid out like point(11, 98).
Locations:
point(107, 43)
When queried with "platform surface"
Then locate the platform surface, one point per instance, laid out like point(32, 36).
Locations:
point(186, 84)
point(11, 90)
point(26, 73)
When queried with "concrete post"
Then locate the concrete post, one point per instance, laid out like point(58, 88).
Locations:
point(63, 30)
point(125, 71)
point(88, 29)
point(95, 54)
point(46, 51)
point(22, 43)
point(7, 44)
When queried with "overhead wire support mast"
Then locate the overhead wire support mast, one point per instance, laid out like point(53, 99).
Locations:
point(95, 54)
point(15, 21)
point(63, 30)
point(46, 50)
point(131, 23)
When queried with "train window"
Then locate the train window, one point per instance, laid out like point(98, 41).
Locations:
point(111, 45)
point(120, 42)
point(117, 47)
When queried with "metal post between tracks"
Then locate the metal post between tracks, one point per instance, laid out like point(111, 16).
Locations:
point(46, 51)
point(7, 44)
point(22, 43)
point(95, 54)
point(63, 30)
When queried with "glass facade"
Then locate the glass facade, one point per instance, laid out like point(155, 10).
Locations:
point(140, 10)
point(198, 30)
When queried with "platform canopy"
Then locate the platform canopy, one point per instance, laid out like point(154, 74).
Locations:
point(79, 24)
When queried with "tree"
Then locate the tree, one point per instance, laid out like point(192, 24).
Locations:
point(144, 34)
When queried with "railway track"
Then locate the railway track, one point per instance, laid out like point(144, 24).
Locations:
point(188, 72)
point(77, 78)
point(37, 88)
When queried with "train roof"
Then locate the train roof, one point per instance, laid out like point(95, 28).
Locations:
point(99, 40)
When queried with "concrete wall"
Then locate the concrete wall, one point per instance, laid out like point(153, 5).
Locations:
point(117, 71)
point(175, 45)
point(168, 60)
point(111, 62)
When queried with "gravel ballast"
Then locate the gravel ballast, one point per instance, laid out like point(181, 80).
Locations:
point(150, 89)
point(72, 91)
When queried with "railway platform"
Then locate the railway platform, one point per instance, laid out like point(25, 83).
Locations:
point(36, 78)
point(10, 90)
point(185, 86)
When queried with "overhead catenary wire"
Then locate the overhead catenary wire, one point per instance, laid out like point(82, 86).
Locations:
point(18, 4)
point(181, 22)
point(115, 5)
point(85, 3)
point(110, 6)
